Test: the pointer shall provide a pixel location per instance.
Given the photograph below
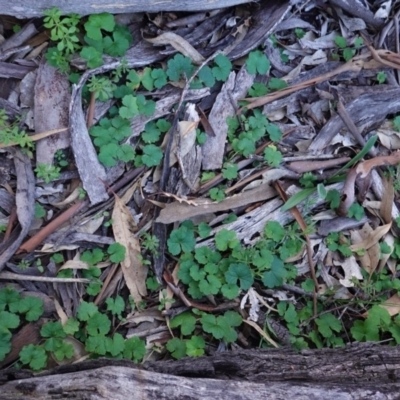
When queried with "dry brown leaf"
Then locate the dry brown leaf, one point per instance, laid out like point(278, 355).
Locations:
point(387, 200)
point(363, 259)
point(134, 271)
point(365, 167)
point(372, 238)
point(180, 44)
point(351, 271)
point(392, 305)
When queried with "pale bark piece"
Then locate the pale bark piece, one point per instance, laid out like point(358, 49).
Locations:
point(91, 172)
point(250, 225)
point(52, 98)
point(25, 201)
point(174, 212)
point(22, 9)
point(226, 105)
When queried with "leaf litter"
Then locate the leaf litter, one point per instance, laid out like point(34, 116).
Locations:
point(256, 182)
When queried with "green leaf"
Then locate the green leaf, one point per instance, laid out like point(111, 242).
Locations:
point(272, 156)
point(195, 346)
point(230, 291)
point(130, 108)
point(53, 330)
point(328, 323)
point(239, 272)
point(97, 22)
point(86, 311)
point(177, 348)
point(147, 79)
point(381, 77)
point(263, 259)
point(71, 326)
point(298, 198)
point(151, 133)
point(210, 285)
point(205, 255)
point(181, 240)
point(277, 84)
point(65, 351)
point(93, 57)
point(206, 75)
point(214, 325)
point(34, 356)
point(230, 171)
point(159, 78)
point(276, 276)
point(358, 42)
point(275, 231)
point(5, 343)
point(96, 344)
point(222, 69)
point(363, 331)
point(348, 54)
point(115, 346)
point(257, 62)
point(204, 230)
point(135, 349)
point(274, 132)
point(258, 90)
point(9, 297)
point(356, 211)
point(134, 79)
point(186, 321)
point(116, 252)
point(225, 239)
point(152, 155)
point(216, 194)
point(32, 307)
point(8, 320)
point(115, 306)
point(98, 324)
point(340, 42)
point(178, 66)
point(333, 196)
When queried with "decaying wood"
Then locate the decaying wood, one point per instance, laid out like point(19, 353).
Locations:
point(368, 110)
point(52, 97)
point(359, 371)
point(225, 105)
point(270, 211)
point(25, 201)
point(22, 9)
point(175, 211)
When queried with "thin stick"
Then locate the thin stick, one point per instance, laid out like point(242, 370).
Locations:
point(33, 278)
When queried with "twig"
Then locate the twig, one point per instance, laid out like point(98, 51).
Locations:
point(33, 278)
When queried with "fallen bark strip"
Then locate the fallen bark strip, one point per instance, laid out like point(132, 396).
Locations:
point(24, 9)
point(359, 371)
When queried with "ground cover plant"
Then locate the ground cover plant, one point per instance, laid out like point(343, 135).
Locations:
point(210, 207)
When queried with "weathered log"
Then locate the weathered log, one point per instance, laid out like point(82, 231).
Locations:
point(358, 371)
point(29, 9)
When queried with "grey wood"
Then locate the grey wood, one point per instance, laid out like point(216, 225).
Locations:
point(28, 9)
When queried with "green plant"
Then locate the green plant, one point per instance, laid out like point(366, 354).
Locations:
point(346, 51)
point(381, 77)
point(60, 158)
point(338, 242)
point(11, 135)
point(47, 172)
point(40, 211)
